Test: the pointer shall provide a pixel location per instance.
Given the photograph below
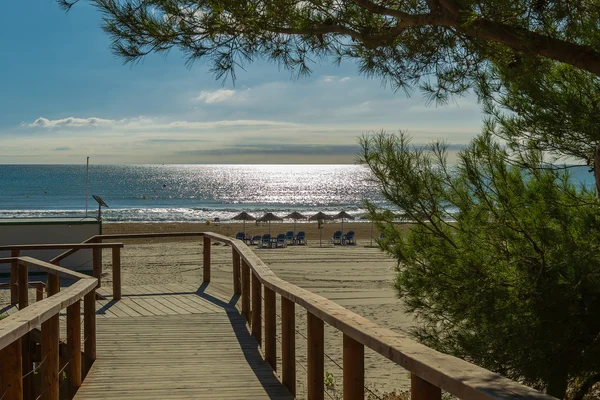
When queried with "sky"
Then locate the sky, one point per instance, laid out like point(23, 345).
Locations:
point(65, 96)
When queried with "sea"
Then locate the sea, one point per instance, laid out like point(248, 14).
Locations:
point(190, 193)
point(182, 193)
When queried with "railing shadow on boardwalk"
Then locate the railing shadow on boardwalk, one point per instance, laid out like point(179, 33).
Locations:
point(247, 342)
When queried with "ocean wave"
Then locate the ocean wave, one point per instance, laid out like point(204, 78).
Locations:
point(163, 214)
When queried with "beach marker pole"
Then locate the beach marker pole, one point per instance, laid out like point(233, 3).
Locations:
point(87, 168)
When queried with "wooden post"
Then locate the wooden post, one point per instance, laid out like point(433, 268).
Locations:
point(354, 369)
point(206, 270)
point(74, 347)
point(288, 345)
point(39, 291)
point(316, 358)
point(237, 284)
point(89, 329)
point(246, 290)
point(270, 328)
point(11, 384)
point(97, 265)
point(50, 365)
point(14, 272)
point(116, 265)
point(420, 389)
point(23, 287)
point(26, 362)
point(53, 284)
point(257, 309)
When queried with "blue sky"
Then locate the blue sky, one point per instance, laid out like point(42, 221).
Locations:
point(65, 96)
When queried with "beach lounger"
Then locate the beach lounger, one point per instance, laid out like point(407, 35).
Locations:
point(289, 237)
point(349, 238)
point(265, 241)
point(255, 239)
point(281, 241)
point(240, 236)
point(337, 238)
point(301, 238)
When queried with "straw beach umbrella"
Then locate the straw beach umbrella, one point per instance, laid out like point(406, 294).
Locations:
point(268, 217)
point(295, 216)
point(320, 217)
point(343, 215)
point(244, 216)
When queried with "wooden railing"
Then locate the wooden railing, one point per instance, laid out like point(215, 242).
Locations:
point(92, 243)
point(431, 371)
point(18, 347)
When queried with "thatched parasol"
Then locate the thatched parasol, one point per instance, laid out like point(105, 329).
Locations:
point(343, 215)
point(295, 216)
point(320, 217)
point(244, 216)
point(268, 217)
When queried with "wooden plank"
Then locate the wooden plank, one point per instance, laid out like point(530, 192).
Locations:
point(23, 287)
point(270, 329)
point(246, 290)
point(39, 291)
point(27, 367)
point(316, 357)
point(74, 347)
point(354, 369)
point(97, 265)
point(52, 268)
point(14, 272)
point(59, 246)
point(257, 310)
point(53, 285)
point(89, 330)
point(116, 272)
point(139, 303)
point(50, 359)
point(237, 283)
point(163, 344)
point(206, 257)
point(11, 384)
point(420, 389)
point(288, 345)
point(130, 304)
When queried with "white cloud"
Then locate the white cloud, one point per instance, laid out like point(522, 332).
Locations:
point(218, 96)
point(334, 79)
point(70, 122)
point(150, 124)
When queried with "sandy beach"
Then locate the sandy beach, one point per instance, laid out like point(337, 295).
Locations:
point(359, 278)
point(362, 229)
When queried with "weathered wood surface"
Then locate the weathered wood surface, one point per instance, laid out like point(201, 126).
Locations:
point(178, 343)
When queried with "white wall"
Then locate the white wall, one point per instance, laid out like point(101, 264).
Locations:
point(50, 233)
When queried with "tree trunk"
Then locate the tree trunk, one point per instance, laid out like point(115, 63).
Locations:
point(597, 168)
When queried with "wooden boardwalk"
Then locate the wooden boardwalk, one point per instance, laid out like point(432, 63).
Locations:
point(177, 342)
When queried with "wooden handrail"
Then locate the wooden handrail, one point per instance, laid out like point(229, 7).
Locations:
point(60, 246)
point(427, 366)
point(17, 381)
point(18, 324)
